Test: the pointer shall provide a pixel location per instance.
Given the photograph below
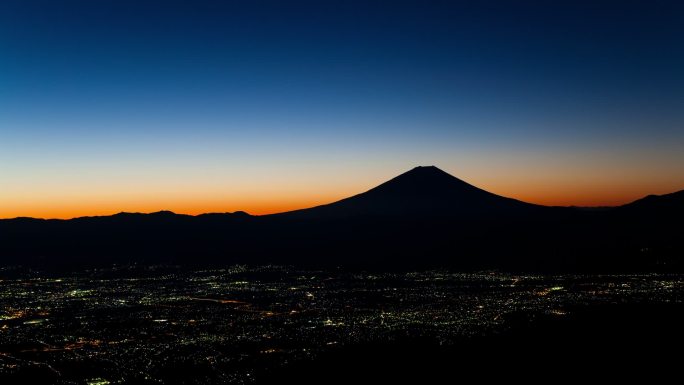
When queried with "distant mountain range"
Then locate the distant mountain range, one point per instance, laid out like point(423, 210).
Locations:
point(421, 219)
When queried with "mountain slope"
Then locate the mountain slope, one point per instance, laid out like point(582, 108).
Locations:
point(422, 191)
point(667, 203)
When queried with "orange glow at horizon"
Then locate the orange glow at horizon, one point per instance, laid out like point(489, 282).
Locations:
point(264, 188)
point(71, 209)
point(65, 207)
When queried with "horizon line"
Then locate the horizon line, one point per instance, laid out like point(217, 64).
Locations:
point(239, 212)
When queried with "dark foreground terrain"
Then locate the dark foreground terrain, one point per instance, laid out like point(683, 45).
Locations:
point(272, 324)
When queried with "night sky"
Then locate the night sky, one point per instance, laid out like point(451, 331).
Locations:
point(214, 106)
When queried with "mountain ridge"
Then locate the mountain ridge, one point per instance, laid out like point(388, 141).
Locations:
point(423, 218)
point(409, 177)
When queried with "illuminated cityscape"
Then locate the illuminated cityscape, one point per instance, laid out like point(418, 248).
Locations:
point(163, 324)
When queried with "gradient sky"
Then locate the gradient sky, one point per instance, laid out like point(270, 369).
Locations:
point(201, 106)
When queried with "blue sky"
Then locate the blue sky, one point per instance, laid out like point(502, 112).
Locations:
point(205, 105)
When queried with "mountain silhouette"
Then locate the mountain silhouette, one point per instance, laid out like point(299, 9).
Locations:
point(422, 191)
point(423, 218)
point(660, 204)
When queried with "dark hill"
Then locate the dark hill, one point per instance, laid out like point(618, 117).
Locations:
point(657, 204)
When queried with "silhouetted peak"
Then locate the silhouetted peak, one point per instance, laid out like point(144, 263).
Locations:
point(421, 191)
point(672, 201)
point(164, 213)
point(427, 171)
point(424, 168)
point(156, 213)
point(424, 179)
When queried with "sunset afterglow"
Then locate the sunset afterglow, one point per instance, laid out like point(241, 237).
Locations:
point(213, 108)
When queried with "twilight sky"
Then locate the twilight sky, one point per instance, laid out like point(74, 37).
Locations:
point(264, 106)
